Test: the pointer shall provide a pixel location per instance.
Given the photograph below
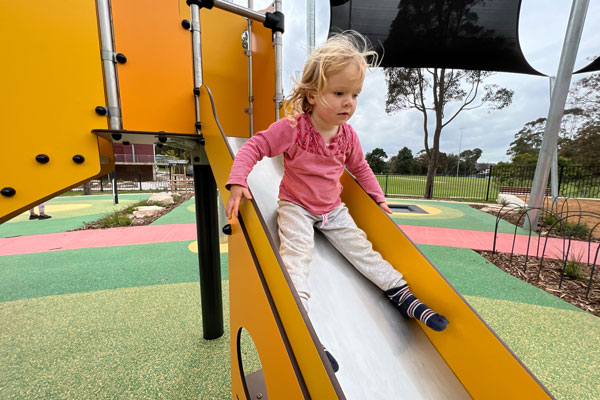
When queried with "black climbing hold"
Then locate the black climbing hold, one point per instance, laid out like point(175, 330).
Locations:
point(101, 110)
point(42, 158)
point(159, 145)
point(8, 192)
point(126, 143)
point(274, 21)
point(78, 158)
point(186, 24)
point(162, 139)
point(120, 57)
point(201, 3)
point(116, 136)
point(227, 229)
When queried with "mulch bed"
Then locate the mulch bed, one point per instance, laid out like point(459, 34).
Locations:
point(548, 278)
point(571, 290)
point(182, 197)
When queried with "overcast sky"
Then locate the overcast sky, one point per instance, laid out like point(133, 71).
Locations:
point(542, 28)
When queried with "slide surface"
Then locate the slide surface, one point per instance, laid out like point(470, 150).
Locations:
point(381, 355)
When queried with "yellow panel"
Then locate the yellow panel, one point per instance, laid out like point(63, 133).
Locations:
point(250, 309)
point(226, 69)
point(51, 81)
point(157, 81)
point(485, 367)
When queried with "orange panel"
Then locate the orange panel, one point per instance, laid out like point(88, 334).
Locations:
point(226, 69)
point(263, 83)
point(157, 81)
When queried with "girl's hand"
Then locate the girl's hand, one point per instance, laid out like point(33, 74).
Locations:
point(237, 192)
point(385, 207)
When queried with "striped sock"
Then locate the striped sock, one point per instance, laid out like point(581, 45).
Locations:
point(411, 307)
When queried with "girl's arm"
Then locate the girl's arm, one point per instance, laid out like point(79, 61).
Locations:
point(274, 141)
point(270, 143)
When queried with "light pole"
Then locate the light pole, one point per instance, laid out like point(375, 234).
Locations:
point(458, 156)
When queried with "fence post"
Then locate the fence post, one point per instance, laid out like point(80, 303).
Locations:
point(101, 185)
point(560, 176)
point(487, 195)
point(386, 185)
point(140, 178)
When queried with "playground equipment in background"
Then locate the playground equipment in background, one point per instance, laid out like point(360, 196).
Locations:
point(156, 93)
point(179, 181)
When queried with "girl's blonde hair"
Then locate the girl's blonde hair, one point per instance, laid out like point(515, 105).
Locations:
point(339, 51)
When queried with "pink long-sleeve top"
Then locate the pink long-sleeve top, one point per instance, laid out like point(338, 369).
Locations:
point(312, 167)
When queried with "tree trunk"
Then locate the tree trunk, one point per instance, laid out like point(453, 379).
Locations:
point(87, 188)
point(431, 168)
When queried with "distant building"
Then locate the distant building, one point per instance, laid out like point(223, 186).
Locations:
point(135, 161)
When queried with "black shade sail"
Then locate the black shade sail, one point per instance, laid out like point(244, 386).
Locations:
point(593, 66)
point(462, 34)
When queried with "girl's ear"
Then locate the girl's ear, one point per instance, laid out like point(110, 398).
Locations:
point(311, 97)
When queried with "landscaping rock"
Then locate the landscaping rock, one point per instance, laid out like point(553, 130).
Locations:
point(162, 198)
point(147, 211)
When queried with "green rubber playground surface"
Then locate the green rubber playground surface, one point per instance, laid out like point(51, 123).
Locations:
point(125, 322)
point(557, 341)
point(184, 214)
point(68, 213)
point(441, 214)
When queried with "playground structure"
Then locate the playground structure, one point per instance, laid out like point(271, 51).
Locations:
point(138, 83)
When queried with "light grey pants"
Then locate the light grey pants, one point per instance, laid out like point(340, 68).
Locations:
point(296, 233)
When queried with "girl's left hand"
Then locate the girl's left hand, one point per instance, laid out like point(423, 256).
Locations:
point(385, 207)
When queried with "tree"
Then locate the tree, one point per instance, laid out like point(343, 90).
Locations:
point(376, 160)
point(468, 160)
point(430, 91)
point(584, 149)
point(525, 148)
point(402, 163)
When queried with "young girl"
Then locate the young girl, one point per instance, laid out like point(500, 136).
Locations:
point(317, 144)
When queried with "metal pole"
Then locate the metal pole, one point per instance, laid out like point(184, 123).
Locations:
point(458, 157)
point(207, 226)
point(243, 11)
point(111, 89)
point(207, 220)
point(197, 59)
point(250, 89)
point(310, 25)
point(278, 43)
point(554, 167)
point(555, 113)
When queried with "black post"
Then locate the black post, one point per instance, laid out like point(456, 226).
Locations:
point(115, 191)
point(101, 187)
point(140, 178)
point(487, 195)
point(560, 176)
point(207, 227)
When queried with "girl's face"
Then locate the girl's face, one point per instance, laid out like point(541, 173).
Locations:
point(337, 103)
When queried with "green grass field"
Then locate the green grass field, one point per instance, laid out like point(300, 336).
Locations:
point(468, 187)
point(445, 187)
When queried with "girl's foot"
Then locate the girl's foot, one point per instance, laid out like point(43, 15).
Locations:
point(411, 307)
point(334, 364)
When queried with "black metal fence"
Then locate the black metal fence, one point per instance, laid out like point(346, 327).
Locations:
point(573, 182)
point(161, 182)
